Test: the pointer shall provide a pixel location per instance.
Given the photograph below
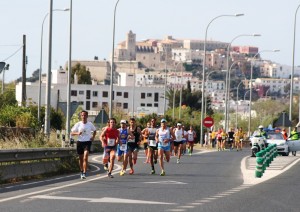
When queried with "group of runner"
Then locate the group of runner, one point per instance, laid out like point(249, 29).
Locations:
point(222, 140)
point(159, 142)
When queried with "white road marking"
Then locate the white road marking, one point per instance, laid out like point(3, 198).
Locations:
point(90, 179)
point(167, 182)
point(101, 200)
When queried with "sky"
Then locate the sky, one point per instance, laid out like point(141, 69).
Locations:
point(182, 19)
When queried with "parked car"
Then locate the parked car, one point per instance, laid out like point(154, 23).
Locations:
point(282, 144)
point(284, 147)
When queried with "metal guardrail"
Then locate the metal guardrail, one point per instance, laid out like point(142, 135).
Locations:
point(22, 163)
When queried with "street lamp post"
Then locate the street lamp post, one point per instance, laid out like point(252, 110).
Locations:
point(237, 105)
point(68, 130)
point(41, 63)
point(293, 70)
point(203, 72)
point(5, 68)
point(48, 87)
point(165, 84)
point(250, 85)
point(112, 63)
point(227, 80)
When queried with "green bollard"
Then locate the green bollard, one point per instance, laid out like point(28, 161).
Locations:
point(259, 165)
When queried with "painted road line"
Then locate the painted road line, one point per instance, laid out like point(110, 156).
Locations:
point(167, 182)
point(102, 200)
point(90, 179)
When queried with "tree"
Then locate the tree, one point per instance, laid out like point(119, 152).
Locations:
point(8, 98)
point(83, 74)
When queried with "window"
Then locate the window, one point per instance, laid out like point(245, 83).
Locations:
point(105, 94)
point(142, 104)
point(87, 105)
point(95, 104)
point(125, 94)
point(155, 97)
point(149, 94)
point(81, 92)
point(119, 104)
point(125, 105)
point(88, 94)
point(119, 93)
point(104, 104)
point(155, 104)
point(73, 93)
point(149, 105)
point(143, 95)
point(80, 103)
point(95, 93)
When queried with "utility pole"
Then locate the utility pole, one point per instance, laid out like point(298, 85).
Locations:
point(24, 72)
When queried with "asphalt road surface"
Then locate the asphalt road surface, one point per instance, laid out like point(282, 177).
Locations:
point(206, 181)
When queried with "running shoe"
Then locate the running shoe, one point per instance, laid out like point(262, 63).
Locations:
point(83, 176)
point(178, 161)
point(109, 175)
point(153, 171)
point(189, 151)
point(131, 172)
point(163, 173)
point(190, 154)
point(106, 167)
point(122, 173)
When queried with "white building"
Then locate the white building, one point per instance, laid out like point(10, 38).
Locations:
point(94, 97)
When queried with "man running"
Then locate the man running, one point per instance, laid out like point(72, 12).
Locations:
point(162, 137)
point(110, 138)
point(83, 130)
point(122, 146)
point(145, 134)
point(149, 132)
point(133, 144)
point(191, 140)
point(179, 134)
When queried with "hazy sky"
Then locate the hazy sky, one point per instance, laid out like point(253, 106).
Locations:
point(93, 21)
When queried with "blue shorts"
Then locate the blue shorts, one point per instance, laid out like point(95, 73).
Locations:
point(165, 148)
point(121, 152)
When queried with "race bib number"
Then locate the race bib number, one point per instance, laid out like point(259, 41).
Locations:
point(190, 137)
point(111, 142)
point(123, 147)
point(131, 141)
point(152, 143)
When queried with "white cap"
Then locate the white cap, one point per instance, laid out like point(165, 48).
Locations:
point(123, 122)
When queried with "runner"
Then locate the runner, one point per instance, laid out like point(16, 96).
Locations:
point(152, 145)
point(133, 144)
point(184, 139)
point(110, 138)
point(224, 137)
point(219, 139)
point(191, 140)
point(162, 137)
point(122, 146)
point(179, 134)
point(145, 134)
point(239, 136)
point(230, 138)
point(83, 130)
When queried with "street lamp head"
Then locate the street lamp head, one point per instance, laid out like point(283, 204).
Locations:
point(66, 9)
point(256, 35)
point(276, 50)
point(239, 14)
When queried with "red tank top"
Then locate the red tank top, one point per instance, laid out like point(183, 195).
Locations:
point(111, 133)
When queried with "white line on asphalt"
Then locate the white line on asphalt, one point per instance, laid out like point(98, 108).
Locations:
point(60, 187)
point(101, 200)
point(186, 206)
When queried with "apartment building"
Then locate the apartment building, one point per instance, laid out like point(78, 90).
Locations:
point(127, 99)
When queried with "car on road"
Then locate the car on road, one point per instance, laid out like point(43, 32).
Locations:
point(282, 144)
point(284, 147)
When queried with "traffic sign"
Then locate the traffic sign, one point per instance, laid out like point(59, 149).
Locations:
point(208, 122)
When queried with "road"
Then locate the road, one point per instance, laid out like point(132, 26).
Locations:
point(206, 181)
